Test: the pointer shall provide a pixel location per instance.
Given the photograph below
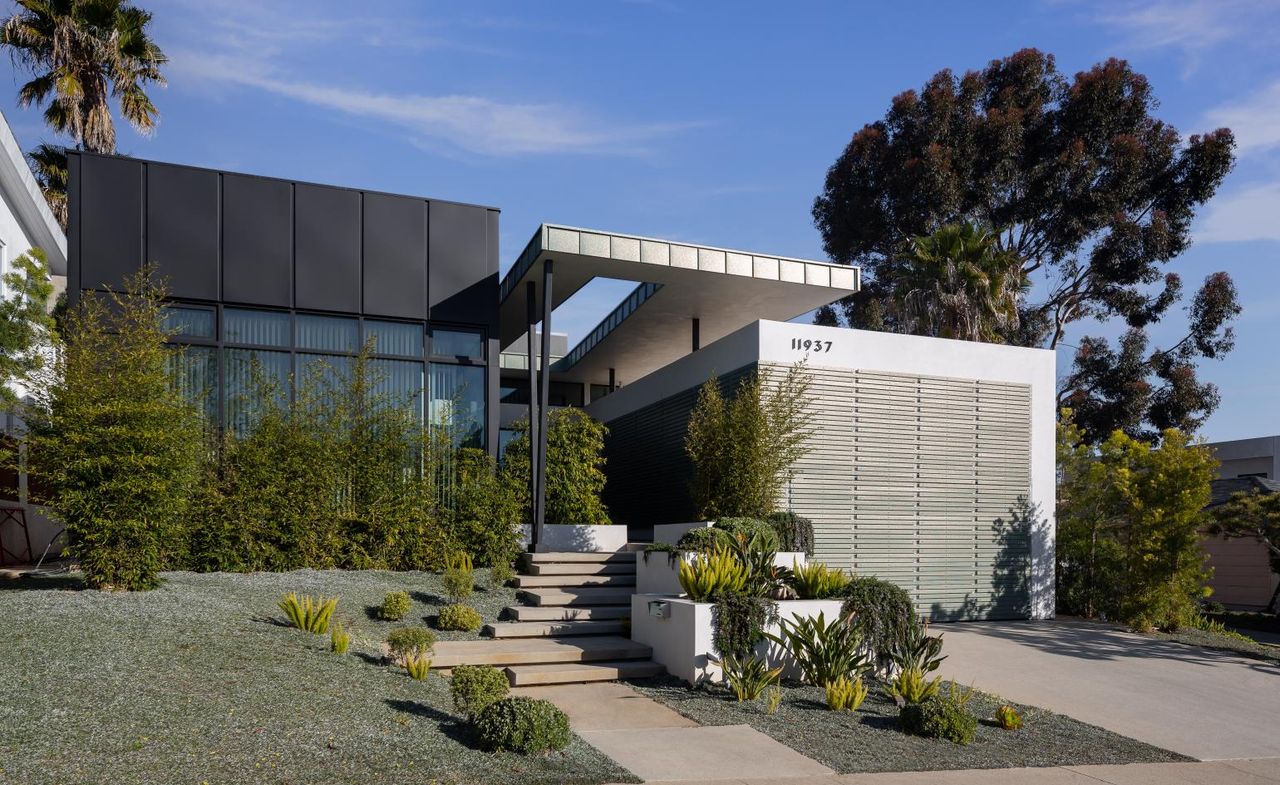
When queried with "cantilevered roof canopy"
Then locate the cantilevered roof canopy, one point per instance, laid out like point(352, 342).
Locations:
point(677, 282)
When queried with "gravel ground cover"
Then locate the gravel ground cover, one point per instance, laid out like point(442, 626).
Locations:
point(198, 682)
point(1212, 640)
point(869, 739)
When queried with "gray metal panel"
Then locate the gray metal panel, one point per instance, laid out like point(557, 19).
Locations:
point(462, 276)
point(395, 256)
point(110, 220)
point(182, 229)
point(257, 240)
point(327, 260)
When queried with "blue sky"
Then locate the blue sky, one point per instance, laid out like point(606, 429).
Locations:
point(701, 121)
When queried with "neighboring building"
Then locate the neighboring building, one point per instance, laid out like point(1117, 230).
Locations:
point(1242, 575)
point(286, 273)
point(25, 223)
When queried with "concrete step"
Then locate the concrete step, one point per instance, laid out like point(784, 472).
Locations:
point(574, 673)
point(581, 568)
point(524, 613)
point(572, 596)
point(564, 557)
point(553, 629)
point(536, 651)
point(573, 581)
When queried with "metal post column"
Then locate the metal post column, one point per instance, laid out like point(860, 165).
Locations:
point(544, 394)
point(531, 302)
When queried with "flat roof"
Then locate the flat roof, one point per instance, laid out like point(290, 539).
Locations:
point(677, 282)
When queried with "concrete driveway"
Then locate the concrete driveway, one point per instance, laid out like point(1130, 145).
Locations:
point(1206, 704)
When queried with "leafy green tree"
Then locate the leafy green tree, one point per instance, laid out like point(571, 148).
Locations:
point(575, 468)
point(1252, 516)
point(114, 442)
point(25, 325)
point(484, 517)
point(1129, 522)
point(1083, 185)
point(958, 283)
point(743, 447)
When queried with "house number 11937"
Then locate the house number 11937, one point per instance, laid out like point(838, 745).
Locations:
point(810, 345)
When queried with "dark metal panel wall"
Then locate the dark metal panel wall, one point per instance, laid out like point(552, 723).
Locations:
point(182, 229)
point(395, 256)
point(110, 221)
point(460, 280)
point(327, 265)
point(257, 241)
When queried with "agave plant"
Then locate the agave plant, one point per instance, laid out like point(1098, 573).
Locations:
point(309, 613)
point(748, 677)
point(825, 652)
point(712, 574)
point(918, 650)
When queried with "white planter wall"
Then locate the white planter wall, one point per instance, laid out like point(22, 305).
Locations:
point(578, 538)
point(670, 533)
point(682, 640)
point(660, 575)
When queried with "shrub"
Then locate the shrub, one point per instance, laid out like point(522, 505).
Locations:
point(459, 618)
point(667, 548)
point(474, 687)
point(794, 532)
point(738, 623)
point(743, 448)
point(883, 612)
point(483, 514)
point(1008, 718)
point(760, 534)
point(772, 699)
point(524, 725)
point(339, 639)
point(748, 676)
point(711, 575)
point(404, 641)
point(394, 606)
point(418, 665)
point(311, 614)
point(846, 695)
point(575, 467)
point(817, 581)
point(459, 577)
point(941, 717)
point(114, 443)
point(704, 540)
point(825, 652)
point(501, 573)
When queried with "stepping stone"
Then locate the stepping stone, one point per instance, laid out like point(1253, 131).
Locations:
point(607, 706)
point(579, 672)
point(711, 752)
point(552, 629)
point(617, 557)
point(588, 596)
point(544, 581)
point(523, 613)
point(535, 651)
point(582, 568)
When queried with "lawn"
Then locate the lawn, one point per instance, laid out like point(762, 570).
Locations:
point(198, 682)
point(869, 740)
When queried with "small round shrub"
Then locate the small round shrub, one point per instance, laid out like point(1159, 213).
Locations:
point(458, 584)
point(459, 618)
point(883, 612)
point(474, 687)
point(394, 606)
point(795, 533)
point(703, 540)
point(749, 528)
point(410, 640)
point(521, 724)
point(939, 718)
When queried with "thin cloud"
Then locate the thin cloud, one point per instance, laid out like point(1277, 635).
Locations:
point(1244, 215)
point(471, 123)
point(1255, 120)
point(1190, 27)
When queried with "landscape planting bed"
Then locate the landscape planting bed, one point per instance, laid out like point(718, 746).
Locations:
point(198, 682)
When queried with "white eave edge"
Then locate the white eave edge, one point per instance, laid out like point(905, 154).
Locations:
point(22, 194)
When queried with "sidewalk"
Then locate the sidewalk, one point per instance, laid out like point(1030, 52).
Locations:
point(1257, 771)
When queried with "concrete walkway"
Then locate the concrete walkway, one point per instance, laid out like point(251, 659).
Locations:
point(1206, 704)
point(658, 745)
point(1236, 772)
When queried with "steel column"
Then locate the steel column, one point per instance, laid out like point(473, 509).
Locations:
point(544, 395)
point(531, 302)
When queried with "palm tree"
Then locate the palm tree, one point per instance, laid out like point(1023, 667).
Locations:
point(81, 53)
point(49, 164)
point(958, 283)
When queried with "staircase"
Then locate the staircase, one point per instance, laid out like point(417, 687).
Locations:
point(571, 628)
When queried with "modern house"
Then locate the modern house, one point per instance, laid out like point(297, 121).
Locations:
point(1242, 574)
point(931, 463)
point(25, 223)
